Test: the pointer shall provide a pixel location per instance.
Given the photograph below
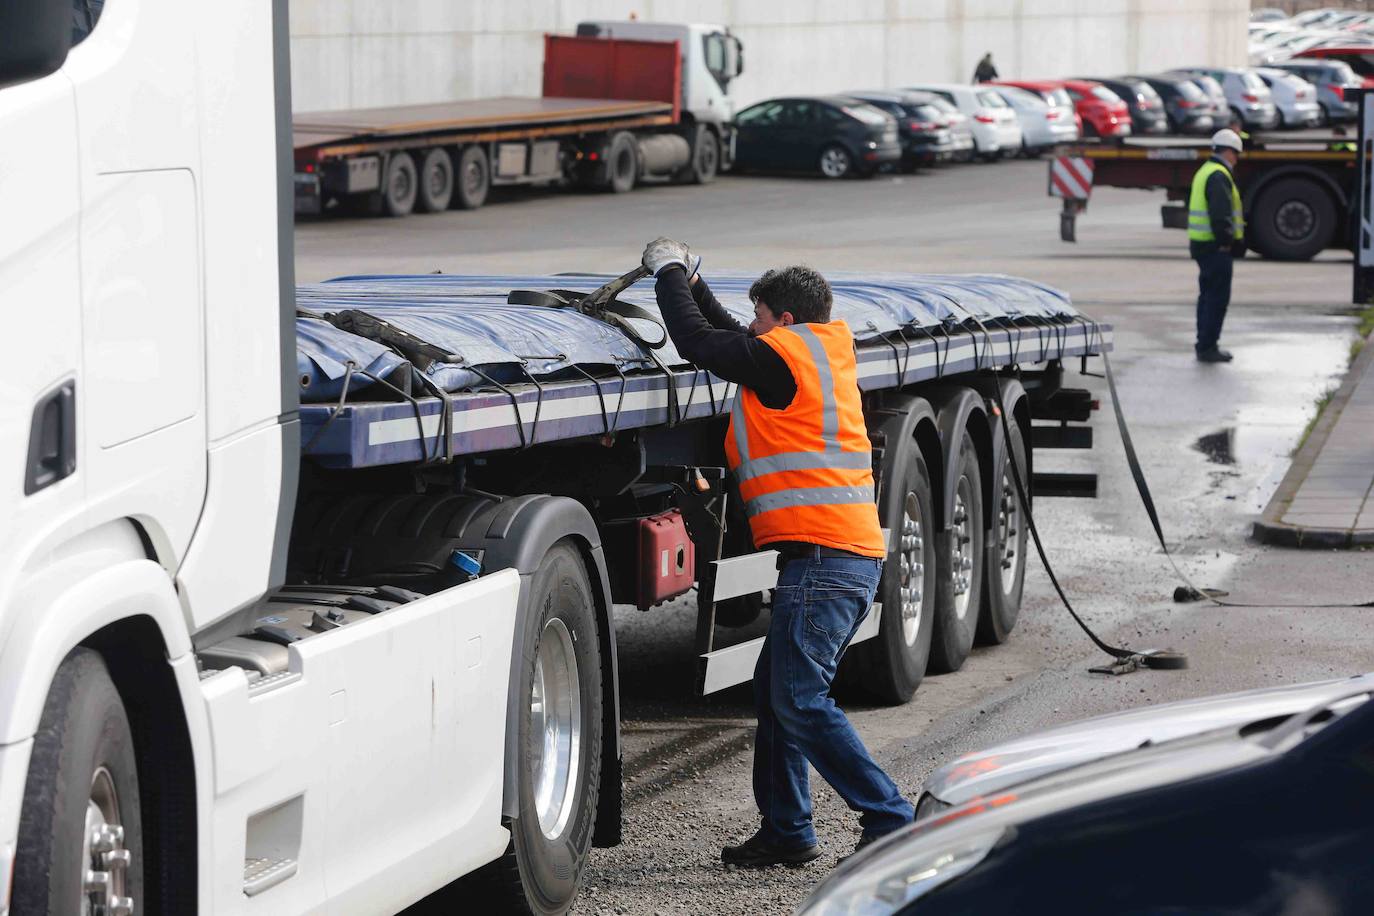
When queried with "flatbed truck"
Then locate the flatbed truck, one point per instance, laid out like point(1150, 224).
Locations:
point(1297, 190)
point(305, 593)
point(622, 103)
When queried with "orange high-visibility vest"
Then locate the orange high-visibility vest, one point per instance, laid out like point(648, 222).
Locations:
point(806, 471)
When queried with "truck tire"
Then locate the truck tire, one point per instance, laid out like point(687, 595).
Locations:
point(81, 809)
point(401, 186)
point(705, 156)
point(1006, 561)
point(959, 566)
point(436, 181)
point(472, 179)
point(622, 163)
point(890, 666)
point(560, 741)
point(1293, 219)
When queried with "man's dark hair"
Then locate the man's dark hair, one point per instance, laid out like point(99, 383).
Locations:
point(799, 290)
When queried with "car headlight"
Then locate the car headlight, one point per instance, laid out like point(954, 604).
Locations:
point(886, 881)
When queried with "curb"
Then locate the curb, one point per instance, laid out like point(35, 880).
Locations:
point(1270, 528)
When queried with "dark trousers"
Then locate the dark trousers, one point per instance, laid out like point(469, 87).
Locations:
point(818, 605)
point(1213, 293)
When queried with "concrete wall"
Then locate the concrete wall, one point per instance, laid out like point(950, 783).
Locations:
point(357, 53)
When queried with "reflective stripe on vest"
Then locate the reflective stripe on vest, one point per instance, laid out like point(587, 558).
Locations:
point(799, 481)
point(1199, 220)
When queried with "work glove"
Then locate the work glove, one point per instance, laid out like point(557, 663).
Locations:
point(663, 253)
point(1238, 248)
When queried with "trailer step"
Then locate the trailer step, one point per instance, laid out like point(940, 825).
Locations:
point(261, 874)
point(1072, 404)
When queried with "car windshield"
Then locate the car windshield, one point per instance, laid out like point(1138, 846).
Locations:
point(1105, 94)
point(924, 112)
point(1059, 98)
point(991, 100)
point(1191, 92)
point(1145, 92)
point(1251, 80)
point(866, 114)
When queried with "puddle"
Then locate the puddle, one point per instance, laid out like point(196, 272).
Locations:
point(1219, 447)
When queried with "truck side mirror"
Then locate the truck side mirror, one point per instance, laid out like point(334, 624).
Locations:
point(35, 36)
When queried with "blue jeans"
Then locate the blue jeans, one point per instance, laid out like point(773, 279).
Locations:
point(1214, 295)
point(817, 606)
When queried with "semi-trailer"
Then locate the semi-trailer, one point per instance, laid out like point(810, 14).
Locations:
point(305, 593)
point(622, 103)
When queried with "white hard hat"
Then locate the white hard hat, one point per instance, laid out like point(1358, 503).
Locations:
point(1226, 139)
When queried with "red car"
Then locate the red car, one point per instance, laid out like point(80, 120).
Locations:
point(1100, 112)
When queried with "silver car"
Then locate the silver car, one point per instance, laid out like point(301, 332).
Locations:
point(1246, 95)
point(1042, 126)
point(1295, 98)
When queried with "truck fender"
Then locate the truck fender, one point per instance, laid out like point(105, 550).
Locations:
point(901, 416)
point(1014, 399)
point(103, 577)
point(959, 408)
point(519, 532)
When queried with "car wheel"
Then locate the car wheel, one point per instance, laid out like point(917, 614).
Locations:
point(835, 161)
point(959, 566)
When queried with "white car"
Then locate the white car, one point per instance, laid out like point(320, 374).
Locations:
point(1042, 126)
point(1295, 98)
point(996, 127)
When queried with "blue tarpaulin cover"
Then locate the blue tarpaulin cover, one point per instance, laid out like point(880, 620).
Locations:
point(469, 316)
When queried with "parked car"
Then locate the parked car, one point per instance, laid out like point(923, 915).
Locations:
point(1104, 112)
point(996, 128)
point(834, 135)
point(1218, 107)
point(1186, 107)
point(1360, 59)
point(1146, 107)
point(1247, 97)
point(1332, 78)
point(1053, 94)
point(960, 127)
point(1042, 127)
point(1295, 98)
point(1245, 804)
point(925, 134)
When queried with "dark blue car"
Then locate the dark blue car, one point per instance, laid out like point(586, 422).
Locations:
point(834, 135)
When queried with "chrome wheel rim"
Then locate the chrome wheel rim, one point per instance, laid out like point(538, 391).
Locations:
point(105, 880)
point(1295, 220)
point(834, 163)
point(556, 724)
point(1008, 527)
point(962, 566)
point(912, 564)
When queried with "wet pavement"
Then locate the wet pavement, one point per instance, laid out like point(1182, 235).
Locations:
point(1215, 441)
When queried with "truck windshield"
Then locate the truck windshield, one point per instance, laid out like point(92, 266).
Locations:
point(719, 60)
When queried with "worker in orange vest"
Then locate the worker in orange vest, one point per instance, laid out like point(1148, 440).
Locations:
point(800, 453)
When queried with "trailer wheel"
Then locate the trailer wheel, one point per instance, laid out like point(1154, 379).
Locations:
point(559, 740)
point(891, 666)
point(436, 181)
point(1293, 219)
point(622, 163)
point(473, 179)
point(80, 830)
point(401, 187)
point(1006, 562)
point(705, 156)
point(959, 566)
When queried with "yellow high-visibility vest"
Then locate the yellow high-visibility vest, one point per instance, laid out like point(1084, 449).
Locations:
point(1199, 222)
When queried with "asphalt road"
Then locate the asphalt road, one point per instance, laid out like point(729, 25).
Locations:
point(1214, 441)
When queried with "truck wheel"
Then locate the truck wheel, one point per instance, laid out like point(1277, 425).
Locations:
point(890, 667)
point(1006, 562)
point(959, 567)
point(473, 179)
point(622, 163)
point(80, 830)
point(559, 740)
point(1293, 220)
point(436, 181)
point(401, 186)
point(835, 162)
point(705, 156)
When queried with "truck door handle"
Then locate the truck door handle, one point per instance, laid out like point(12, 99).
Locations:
point(52, 438)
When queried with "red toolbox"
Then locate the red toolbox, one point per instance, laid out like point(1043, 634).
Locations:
point(667, 559)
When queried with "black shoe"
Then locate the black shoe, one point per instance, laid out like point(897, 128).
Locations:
point(859, 846)
point(1214, 355)
point(757, 852)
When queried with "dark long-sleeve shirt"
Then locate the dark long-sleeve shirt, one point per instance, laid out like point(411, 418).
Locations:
point(1219, 212)
point(705, 333)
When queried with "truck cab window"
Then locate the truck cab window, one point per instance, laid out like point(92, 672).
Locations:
point(85, 14)
point(722, 64)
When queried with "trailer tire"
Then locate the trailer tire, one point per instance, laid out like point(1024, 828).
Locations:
point(705, 156)
point(959, 566)
point(890, 667)
point(436, 181)
point(1006, 572)
point(82, 780)
point(472, 178)
point(1292, 219)
point(401, 187)
point(550, 839)
point(622, 162)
